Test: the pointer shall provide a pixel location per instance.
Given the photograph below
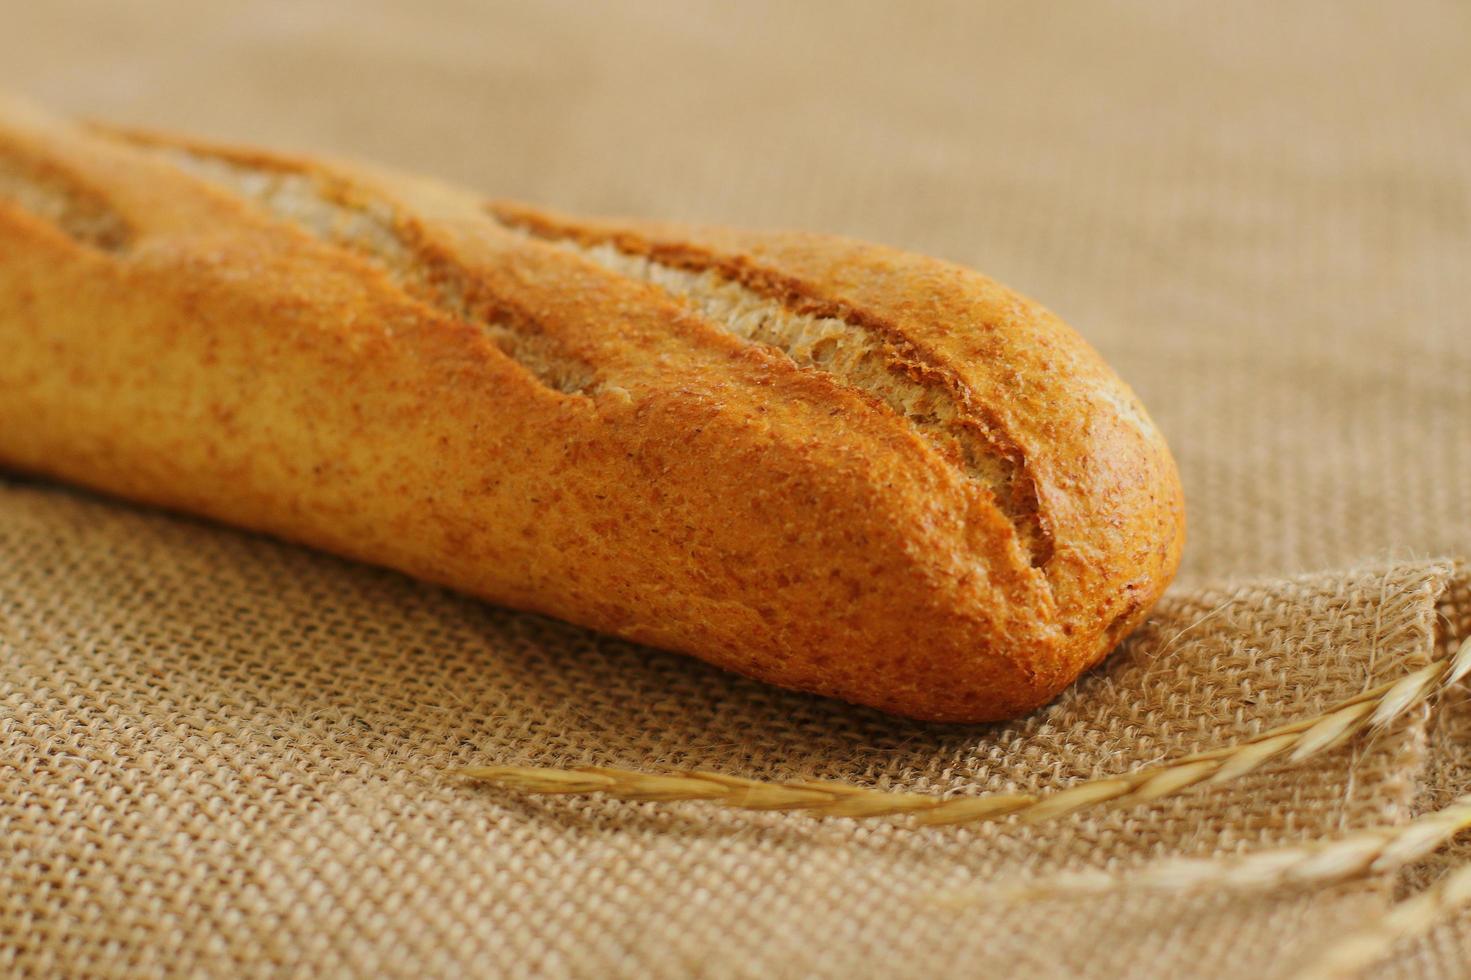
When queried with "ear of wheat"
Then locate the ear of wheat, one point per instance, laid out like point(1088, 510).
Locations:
point(1376, 850)
point(1296, 741)
point(1351, 955)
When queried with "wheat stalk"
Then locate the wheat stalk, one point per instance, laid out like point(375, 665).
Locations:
point(1410, 919)
point(1377, 850)
point(1299, 740)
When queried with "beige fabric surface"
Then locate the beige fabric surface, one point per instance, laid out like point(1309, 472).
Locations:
point(220, 755)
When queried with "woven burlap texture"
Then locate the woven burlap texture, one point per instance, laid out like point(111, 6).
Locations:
point(230, 751)
point(223, 755)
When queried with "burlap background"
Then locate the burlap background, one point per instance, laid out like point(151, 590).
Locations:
point(222, 755)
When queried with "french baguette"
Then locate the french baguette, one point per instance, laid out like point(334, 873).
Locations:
point(826, 464)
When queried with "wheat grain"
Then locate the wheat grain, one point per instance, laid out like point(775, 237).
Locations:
point(1410, 919)
point(1376, 850)
point(1303, 739)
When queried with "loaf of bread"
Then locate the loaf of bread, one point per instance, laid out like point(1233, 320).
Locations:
point(818, 462)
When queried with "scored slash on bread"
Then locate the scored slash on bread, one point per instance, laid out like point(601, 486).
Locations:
point(823, 463)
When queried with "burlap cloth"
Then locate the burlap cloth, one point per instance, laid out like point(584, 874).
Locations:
point(221, 755)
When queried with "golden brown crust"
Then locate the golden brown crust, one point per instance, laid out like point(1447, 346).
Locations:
point(1103, 479)
point(375, 365)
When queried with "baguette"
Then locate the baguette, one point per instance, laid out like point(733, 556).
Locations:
point(822, 463)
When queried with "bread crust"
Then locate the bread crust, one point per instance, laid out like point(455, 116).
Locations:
point(454, 394)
